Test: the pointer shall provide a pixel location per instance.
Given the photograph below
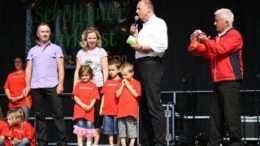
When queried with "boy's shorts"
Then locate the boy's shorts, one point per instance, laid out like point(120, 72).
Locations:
point(127, 127)
point(110, 125)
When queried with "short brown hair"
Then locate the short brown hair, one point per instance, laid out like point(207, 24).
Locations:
point(43, 24)
point(86, 69)
point(115, 62)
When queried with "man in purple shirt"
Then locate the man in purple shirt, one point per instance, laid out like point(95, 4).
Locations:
point(44, 78)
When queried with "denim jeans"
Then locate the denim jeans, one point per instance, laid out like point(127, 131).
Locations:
point(24, 142)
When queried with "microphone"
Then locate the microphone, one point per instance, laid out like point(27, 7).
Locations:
point(131, 39)
point(136, 19)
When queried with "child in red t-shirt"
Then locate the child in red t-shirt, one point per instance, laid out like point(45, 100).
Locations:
point(21, 131)
point(4, 130)
point(85, 95)
point(14, 86)
point(109, 101)
point(128, 94)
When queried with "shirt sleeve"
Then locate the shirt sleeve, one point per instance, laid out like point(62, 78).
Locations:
point(59, 53)
point(5, 129)
point(6, 85)
point(137, 87)
point(28, 131)
point(95, 93)
point(76, 90)
point(79, 54)
point(229, 44)
point(103, 90)
point(30, 55)
point(160, 43)
point(103, 53)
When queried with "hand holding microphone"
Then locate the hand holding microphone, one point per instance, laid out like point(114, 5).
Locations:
point(134, 27)
point(131, 40)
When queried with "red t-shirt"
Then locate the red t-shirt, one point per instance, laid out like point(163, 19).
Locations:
point(24, 130)
point(15, 82)
point(110, 104)
point(4, 131)
point(128, 104)
point(4, 128)
point(86, 92)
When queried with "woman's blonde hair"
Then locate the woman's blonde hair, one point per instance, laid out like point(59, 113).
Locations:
point(91, 29)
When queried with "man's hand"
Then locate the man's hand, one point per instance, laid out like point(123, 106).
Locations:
point(60, 89)
point(26, 91)
point(137, 47)
point(134, 30)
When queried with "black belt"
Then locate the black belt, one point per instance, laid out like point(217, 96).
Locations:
point(149, 58)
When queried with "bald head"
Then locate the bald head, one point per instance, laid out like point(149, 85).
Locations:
point(148, 3)
point(145, 10)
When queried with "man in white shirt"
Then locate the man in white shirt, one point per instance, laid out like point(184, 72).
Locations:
point(152, 41)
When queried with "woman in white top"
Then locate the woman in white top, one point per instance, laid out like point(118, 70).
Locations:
point(95, 56)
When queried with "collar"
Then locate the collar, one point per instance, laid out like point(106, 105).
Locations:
point(150, 19)
point(44, 45)
point(225, 31)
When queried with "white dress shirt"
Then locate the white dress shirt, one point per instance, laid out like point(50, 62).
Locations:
point(153, 34)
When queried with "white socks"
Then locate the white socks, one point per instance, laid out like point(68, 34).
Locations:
point(89, 142)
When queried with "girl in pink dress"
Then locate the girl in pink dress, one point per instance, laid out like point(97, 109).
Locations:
point(85, 94)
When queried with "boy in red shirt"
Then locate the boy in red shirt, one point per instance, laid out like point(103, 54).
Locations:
point(85, 95)
point(109, 101)
point(128, 94)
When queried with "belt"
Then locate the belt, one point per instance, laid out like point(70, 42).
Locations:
point(149, 58)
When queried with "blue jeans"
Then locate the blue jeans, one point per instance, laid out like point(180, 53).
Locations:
point(110, 126)
point(24, 142)
point(2, 142)
point(82, 123)
point(26, 111)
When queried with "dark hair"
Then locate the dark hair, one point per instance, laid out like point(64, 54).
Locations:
point(86, 69)
point(115, 62)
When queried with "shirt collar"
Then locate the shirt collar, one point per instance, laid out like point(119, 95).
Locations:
point(225, 31)
point(150, 19)
point(45, 45)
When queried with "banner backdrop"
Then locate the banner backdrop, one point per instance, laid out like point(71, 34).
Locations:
point(68, 19)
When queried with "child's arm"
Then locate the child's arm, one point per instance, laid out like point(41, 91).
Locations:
point(131, 89)
point(101, 105)
point(120, 90)
point(79, 102)
point(90, 106)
